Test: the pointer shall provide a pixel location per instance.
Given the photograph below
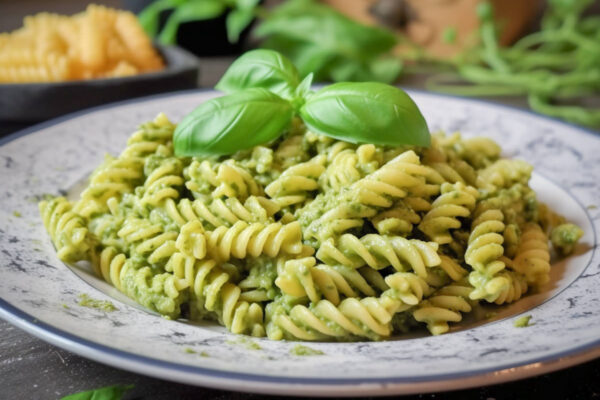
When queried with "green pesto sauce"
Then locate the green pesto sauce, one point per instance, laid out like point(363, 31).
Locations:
point(17, 214)
point(300, 350)
point(564, 237)
point(566, 234)
point(247, 343)
point(189, 350)
point(104, 305)
point(523, 322)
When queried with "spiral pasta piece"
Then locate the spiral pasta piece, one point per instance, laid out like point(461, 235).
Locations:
point(398, 220)
point(322, 320)
point(392, 180)
point(452, 268)
point(252, 240)
point(259, 284)
point(505, 173)
point(445, 305)
point(516, 287)
point(67, 229)
point(104, 228)
point(192, 240)
point(405, 291)
point(348, 166)
point(113, 178)
point(213, 291)
point(225, 179)
point(302, 277)
point(162, 292)
point(151, 137)
point(295, 183)
point(478, 152)
point(147, 240)
point(163, 182)
point(364, 197)
point(456, 201)
point(533, 255)
point(378, 252)
point(222, 212)
point(110, 266)
point(483, 254)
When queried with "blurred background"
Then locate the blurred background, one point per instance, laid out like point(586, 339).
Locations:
point(535, 54)
point(538, 54)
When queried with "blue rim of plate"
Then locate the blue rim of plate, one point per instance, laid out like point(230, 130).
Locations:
point(67, 340)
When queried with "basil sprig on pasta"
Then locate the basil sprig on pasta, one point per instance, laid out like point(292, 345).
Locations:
point(264, 94)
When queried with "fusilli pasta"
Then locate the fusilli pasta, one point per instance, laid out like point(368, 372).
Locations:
point(311, 238)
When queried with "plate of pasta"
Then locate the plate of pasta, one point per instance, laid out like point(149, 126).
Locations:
point(305, 264)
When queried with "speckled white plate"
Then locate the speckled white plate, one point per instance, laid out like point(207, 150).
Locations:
point(40, 294)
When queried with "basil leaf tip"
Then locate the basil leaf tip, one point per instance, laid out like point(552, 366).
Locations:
point(261, 68)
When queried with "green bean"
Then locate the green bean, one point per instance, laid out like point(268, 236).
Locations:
point(561, 61)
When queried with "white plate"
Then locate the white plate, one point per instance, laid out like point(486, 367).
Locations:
point(40, 294)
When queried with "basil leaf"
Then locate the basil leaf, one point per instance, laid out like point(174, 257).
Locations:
point(367, 112)
point(261, 68)
point(106, 393)
point(304, 87)
point(321, 25)
point(195, 10)
point(150, 16)
point(246, 4)
point(238, 121)
point(346, 70)
point(236, 22)
point(308, 58)
point(386, 70)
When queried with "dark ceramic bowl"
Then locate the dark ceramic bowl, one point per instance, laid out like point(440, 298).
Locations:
point(24, 104)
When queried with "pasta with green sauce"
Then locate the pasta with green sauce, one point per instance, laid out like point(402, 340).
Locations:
point(312, 238)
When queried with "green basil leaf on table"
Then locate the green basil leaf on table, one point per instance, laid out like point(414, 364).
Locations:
point(238, 121)
point(194, 10)
point(367, 112)
point(106, 393)
point(261, 68)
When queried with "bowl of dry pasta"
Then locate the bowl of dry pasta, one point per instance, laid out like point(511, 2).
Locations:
point(56, 64)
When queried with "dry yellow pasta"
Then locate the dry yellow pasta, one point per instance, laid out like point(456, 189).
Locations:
point(98, 43)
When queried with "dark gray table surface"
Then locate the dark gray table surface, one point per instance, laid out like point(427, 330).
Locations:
point(33, 369)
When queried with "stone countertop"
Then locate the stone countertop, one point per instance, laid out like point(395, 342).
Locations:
point(33, 369)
